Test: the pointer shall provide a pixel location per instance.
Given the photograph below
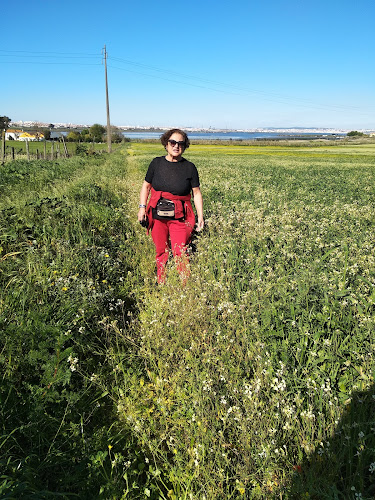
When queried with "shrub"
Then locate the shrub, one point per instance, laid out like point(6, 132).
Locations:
point(355, 133)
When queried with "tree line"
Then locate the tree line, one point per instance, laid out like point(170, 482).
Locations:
point(96, 133)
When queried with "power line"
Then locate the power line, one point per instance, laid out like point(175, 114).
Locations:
point(39, 54)
point(281, 99)
point(173, 81)
point(29, 57)
point(182, 79)
point(51, 62)
point(272, 96)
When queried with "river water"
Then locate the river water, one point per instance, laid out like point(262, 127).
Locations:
point(239, 136)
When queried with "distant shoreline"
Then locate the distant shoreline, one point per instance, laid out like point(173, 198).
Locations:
point(237, 136)
point(191, 130)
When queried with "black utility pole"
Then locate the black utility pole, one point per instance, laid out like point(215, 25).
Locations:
point(109, 142)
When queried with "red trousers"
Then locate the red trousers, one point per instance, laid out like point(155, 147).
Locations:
point(172, 234)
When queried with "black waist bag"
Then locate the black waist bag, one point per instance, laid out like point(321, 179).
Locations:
point(165, 208)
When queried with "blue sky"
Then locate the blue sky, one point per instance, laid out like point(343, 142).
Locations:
point(201, 63)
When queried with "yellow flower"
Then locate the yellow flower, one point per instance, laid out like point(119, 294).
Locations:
point(241, 489)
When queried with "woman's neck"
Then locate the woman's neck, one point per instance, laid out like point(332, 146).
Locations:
point(173, 159)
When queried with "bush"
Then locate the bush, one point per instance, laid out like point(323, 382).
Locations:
point(355, 133)
point(116, 137)
point(81, 149)
point(97, 132)
point(73, 136)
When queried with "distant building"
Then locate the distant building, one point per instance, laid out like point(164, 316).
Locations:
point(12, 134)
point(26, 136)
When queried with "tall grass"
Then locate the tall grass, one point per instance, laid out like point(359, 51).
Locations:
point(252, 368)
point(255, 380)
point(66, 269)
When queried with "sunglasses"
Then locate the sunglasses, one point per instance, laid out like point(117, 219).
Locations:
point(180, 144)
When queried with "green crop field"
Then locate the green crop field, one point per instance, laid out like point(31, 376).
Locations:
point(255, 380)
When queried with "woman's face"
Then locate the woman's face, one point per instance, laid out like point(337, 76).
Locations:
point(175, 148)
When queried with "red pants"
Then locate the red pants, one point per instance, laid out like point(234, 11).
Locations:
point(171, 234)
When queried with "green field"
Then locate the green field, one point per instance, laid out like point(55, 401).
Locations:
point(255, 380)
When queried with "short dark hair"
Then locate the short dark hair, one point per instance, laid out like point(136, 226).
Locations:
point(166, 136)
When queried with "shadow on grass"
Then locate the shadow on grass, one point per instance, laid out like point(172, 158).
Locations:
point(344, 468)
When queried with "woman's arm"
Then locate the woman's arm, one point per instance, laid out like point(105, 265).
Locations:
point(198, 202)
point(143, 196)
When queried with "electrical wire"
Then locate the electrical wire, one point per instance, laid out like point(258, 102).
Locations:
point(47, 54)
point(162, 74)
point(246, 90)
point(280, 100)
point(55, 63)
point(57, 57)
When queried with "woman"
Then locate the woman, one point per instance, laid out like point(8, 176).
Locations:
point(169, 212)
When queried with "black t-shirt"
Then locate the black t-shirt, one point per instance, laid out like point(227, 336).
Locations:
point(173, 177)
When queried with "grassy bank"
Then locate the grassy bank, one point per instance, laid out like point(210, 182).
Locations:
point(66, 269)
point(253, 381)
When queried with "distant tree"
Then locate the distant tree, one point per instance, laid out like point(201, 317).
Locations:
point(73, 136)
point(116, 135)
point(355, 133)
point(47, 134)
point(4, 122)
point(85, 135)
point(51, 125)
point(97, 132)
point(37, 132)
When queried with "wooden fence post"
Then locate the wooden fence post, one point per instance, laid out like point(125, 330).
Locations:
point(52, 152)
point(65, 148)
point(27, 150)
point(13, 154)
point(45, 149)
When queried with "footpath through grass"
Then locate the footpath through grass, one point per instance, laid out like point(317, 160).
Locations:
point(253, 381)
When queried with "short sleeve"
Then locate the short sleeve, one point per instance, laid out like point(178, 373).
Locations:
point(150, 172)
point(194, 177)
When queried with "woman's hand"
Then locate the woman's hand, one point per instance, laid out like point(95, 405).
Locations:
point(198, 202)
point(143, 196)
point(141, 214)
point(200, 224)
